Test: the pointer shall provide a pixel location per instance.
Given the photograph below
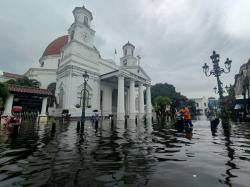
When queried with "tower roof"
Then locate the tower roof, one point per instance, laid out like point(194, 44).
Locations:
point(128, 44)
point(83, 9)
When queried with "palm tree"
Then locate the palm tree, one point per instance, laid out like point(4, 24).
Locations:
point(25, 81)
point(161, 103)
point(4, 93)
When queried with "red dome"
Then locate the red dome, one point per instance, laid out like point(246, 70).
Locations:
point(55, 47)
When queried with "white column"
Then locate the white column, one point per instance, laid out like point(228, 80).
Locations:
point(8, 105)
point(98, 107)
point(132, 99)
point(141, 100)
point(120, 100)
point(148, 101)
point(44, 106)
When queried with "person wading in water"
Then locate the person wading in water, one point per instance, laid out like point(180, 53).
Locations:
point(187, 117)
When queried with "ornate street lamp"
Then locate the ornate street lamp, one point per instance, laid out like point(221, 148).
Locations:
point(226, 88)
point(86, 78)
point(217, 71)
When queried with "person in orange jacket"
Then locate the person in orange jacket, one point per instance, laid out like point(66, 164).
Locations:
point(187, 117)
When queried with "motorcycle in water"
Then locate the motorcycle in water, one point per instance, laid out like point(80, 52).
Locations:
point(181, 125)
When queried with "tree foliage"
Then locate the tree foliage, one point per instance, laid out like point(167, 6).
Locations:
point(168, 90)
point(25, 81)
point(191, 105)
point(228, 102)
point(161, 103)
point(4, 93)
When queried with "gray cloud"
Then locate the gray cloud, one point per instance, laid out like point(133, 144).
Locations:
point(174, 38)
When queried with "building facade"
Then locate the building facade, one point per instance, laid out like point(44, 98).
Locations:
point(111, 89)
point(241, 84)
point(201, 105)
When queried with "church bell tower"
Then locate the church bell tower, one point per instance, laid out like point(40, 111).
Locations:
point(128, 58)
point(81, 30)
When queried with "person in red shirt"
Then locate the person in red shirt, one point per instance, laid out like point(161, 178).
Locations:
point(187, 117)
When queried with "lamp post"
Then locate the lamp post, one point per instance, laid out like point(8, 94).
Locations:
point(86, 78)
point(226, 88)
point(217, 71)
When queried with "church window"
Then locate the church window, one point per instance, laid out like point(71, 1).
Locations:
point(125, 52)
point(52, 99)
point(101, 99)
point(61, 94)
point(72, 35)
point(86, 21)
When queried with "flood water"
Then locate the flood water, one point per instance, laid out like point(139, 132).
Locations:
point(125, 155)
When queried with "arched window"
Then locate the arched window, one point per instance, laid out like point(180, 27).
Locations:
point(86, 21)
point(61, 94)
point(52, 99)
point(72, 35)
point(58, 63)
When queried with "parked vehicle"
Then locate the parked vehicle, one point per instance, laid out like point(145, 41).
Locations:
point(180, 124)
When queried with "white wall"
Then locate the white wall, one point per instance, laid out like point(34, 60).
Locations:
point(201, 104)
point(44, 76)
point(49, 62)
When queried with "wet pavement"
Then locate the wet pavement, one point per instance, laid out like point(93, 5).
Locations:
point(125, 155)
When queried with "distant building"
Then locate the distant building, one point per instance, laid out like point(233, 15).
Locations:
point(201, 105)
point(212, 103)
point(241, 79)
point(5, 76)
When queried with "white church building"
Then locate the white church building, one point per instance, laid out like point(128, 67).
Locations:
point(111, 89)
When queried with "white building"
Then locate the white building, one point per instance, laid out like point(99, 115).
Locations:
point(111, 89)
point(201, 105)
point(242, 81)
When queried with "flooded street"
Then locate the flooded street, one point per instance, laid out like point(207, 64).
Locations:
point(125, 155)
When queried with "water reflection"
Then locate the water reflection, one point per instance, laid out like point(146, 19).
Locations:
point(230, 153)
point(125, 154)
point(214, 125)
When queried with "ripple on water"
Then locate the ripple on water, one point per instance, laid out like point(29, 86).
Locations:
point(132, 155)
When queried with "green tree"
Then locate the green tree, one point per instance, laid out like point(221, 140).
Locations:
point(168, 90)
point(25, 81)
point(228, 102)
point(4, 93)
point(160, 103)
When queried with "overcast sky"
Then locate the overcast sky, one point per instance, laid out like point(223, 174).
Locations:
point(173, 37)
